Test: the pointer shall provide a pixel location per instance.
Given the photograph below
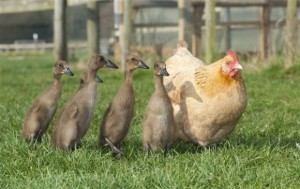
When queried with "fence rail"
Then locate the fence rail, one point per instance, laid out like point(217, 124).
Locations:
point(37, 46)
point(15, 6)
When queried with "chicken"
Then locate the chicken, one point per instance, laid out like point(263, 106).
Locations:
point(208, 100)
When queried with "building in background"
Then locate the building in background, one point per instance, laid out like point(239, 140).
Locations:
point(153, 25)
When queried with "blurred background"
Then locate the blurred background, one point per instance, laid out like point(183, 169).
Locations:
point(147, 26)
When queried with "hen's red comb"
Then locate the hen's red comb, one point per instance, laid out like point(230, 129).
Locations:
point(232, 54)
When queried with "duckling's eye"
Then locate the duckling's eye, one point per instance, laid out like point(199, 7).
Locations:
point(60, 65)
point(133, 59)
point(101, 58)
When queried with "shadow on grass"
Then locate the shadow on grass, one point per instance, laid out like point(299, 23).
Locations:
point(262, 141)
point(132, 147)
point(258, 142)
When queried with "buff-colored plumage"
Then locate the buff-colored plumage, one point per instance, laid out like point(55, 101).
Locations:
point(207, 102)
point(181, 61)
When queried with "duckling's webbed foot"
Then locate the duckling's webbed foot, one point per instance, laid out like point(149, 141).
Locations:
point(167, 150)
point(147, 148)
point(38, 139)
point(118, 155)
point(114, 148)
point(31, 140)
point(70, 147)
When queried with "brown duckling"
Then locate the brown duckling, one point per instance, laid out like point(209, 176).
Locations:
point(40, 113)
point(118, 115)
point(74, 119)
point(158, 124)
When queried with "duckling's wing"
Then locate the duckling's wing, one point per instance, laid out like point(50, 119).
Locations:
point(109, 111)
point(36, 107)
point(73, 110)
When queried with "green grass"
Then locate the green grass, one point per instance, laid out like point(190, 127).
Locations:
point(260, 153)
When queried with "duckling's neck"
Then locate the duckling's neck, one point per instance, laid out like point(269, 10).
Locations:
point(56, 78)
point(54, 91)
point(91, 76)
point(128, 76)
point(159, 86)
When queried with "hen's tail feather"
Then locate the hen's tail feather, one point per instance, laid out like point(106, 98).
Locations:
point(181, 43)
point(182, 49)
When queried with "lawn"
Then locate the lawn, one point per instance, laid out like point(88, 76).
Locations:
point(260, 153)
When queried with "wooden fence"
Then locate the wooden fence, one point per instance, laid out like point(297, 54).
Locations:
point(264, 23)
point(37, 47)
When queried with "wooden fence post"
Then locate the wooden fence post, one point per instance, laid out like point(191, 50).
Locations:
point(121, 33)
point(227, 30)
point(264, 31)
point(124, 29)
point(290, 42)
point(92, 25)
point(210, 30)
point(60, 33)
point(181, 19)
point(127, 30)
point(196, 37)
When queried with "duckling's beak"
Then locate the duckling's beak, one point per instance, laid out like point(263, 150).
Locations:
point(68, 71)
point(98, 79)
point(110, 64)
point(142, 65)
point(164, 72)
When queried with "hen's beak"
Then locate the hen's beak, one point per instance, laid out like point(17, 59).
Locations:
point(238, 66)
point(68, 71)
